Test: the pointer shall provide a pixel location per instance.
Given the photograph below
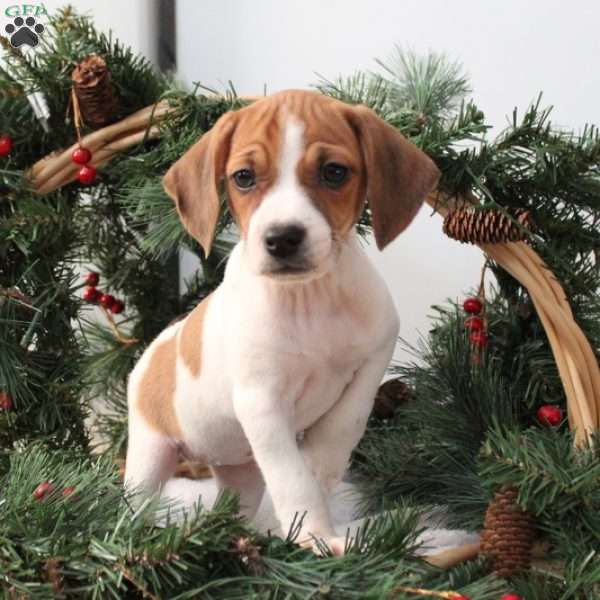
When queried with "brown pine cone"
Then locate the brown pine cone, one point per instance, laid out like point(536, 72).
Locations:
point(94, 90)
point(508, 534)
point(487, 226)
point(389, 395)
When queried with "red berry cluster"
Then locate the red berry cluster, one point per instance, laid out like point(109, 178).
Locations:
point(87, 173)
point(475, 323)
point(6, 402)
point(6, 144)
point(95, 296)
point(46, 487)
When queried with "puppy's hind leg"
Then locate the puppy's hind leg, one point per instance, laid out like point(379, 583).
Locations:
point(151, 463)
point(151, 459)
point(188, 493)
point(245, 479)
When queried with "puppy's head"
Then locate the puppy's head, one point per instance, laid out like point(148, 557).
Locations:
point(297, 168)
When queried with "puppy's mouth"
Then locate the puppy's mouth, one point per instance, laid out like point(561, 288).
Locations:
point(306, 265)
point(290, 269)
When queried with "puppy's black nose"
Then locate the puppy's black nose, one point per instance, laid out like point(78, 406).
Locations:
point(283, 241)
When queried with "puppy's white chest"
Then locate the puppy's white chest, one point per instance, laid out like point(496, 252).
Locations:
point(323, 386)
point(303, 344)
point(308, 347)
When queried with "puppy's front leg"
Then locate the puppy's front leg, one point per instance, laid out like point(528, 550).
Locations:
point(268, 425)
point(328, 444)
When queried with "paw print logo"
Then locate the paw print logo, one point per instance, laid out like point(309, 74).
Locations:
point(24, 32)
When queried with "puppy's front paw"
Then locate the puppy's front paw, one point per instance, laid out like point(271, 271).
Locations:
point(337, 545)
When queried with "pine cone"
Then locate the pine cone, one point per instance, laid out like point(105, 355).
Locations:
point(508, 533)
point(95, 92)
point(486, 226)
point(389, 396)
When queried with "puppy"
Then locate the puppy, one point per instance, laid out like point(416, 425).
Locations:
point(271, 379)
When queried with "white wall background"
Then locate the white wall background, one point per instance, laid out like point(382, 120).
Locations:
point(133, 22)
point(511, 50)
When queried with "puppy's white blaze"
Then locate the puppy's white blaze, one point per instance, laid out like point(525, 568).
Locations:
point(287, 202)
point(292, 150)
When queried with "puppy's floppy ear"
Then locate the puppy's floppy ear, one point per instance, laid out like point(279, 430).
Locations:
point(399, 175)
point(194, 181)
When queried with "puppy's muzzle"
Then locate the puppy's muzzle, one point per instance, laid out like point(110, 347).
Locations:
point(284, 242)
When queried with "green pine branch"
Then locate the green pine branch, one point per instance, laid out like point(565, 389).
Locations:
point(560, 484)
point(429, 450)
point(118, 551)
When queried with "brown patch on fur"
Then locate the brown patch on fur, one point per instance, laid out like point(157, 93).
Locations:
point(256, 146)
point(399, 175)
point(190, 338)
point(329, 138)
point(392, 173)
point(194, 181)
point(157, 390)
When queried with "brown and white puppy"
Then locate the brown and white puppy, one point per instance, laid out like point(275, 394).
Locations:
point(298, 336)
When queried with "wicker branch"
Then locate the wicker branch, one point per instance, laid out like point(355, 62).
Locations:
point(56, 170)
point(454, 556)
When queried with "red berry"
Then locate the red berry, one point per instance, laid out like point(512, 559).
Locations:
point(549, 414)
point(511, 597)
point(92, 278)
point(479, 338)
point(5, 145)
point(68, 491)
point(117, 307)
point(474, 323)
point(81, 156)
point(42, 490)
point(6, 402)
point(473, 306)
point(460, 597)
point(91, 294)
point(107, 300)
point(87, 174)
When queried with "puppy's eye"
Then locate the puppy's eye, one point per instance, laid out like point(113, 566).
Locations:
point(334, 174)
point(244, 179)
